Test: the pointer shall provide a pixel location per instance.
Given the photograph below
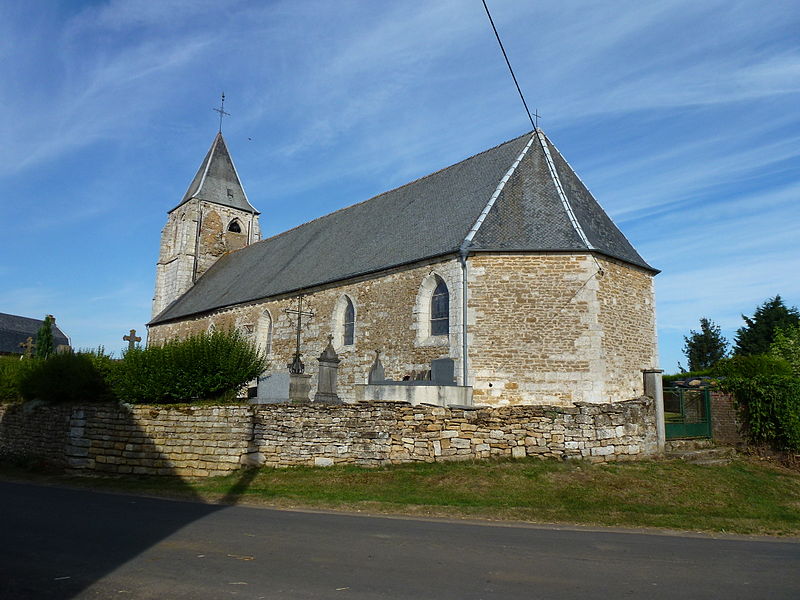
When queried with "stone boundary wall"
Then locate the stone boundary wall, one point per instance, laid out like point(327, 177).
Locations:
point(373, 434)
point(725, 425)
point(202, 440)
point(35, 430)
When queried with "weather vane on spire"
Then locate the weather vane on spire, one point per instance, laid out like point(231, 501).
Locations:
point(221, 111)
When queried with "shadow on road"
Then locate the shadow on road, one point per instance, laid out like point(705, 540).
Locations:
point(85, 535)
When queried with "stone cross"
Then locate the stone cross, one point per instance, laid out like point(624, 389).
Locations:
point(28, 347)
point(131, 338)
point(297, 366)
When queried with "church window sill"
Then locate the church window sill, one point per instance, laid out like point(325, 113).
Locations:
point(434, 340)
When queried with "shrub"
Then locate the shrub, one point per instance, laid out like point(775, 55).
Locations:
point(103, 362)
point(65, 377)
point(205, 366)
point(770, 409)
point(11, 370)
point(756, 365)
point(44, 339)
point(787, 346)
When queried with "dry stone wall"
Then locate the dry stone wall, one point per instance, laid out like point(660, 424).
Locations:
point(203, 441)
point(374, 434)
point(35, 430)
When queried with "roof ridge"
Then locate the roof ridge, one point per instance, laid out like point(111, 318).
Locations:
point(209, 157)
point(497, 190)
point(399, 187)
point(551, 167)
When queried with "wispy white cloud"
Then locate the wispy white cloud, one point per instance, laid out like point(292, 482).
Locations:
point(679, 115)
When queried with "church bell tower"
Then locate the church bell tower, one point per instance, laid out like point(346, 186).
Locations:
point(213, 218)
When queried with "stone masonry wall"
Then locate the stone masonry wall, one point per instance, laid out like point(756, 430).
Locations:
point(577, 335)
point(725, 426)
point(542, 329)
point(627, 320)
point(203, 441)
point(179, 243)
point(31, 430)
point(373, 434)
point(386, 319)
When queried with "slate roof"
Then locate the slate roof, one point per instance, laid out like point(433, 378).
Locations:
point(15, 330)
point(217, 180)
point(540, 204)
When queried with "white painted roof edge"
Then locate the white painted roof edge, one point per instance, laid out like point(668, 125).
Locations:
point(560, 189)
point(208, 165)
point(587, 188)
point(472, 232)
point(239, 179)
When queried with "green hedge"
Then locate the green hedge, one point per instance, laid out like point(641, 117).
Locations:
point(65, 377)
point(211, 366)
point(770, 409)
point(756, 365)
point(11, 371)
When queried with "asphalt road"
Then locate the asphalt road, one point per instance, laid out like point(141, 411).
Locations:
point(64, 543)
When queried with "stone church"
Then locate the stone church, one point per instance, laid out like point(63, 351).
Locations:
point(503, 262)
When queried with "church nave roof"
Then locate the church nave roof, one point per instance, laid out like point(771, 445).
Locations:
point(518, 196)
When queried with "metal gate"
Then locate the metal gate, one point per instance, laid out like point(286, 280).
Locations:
point(687, 413)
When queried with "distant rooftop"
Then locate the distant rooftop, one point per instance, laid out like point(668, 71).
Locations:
point(15, 330)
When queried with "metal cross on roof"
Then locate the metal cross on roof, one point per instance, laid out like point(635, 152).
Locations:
point(536, 117)
point(297, 366)
point(221, 111)
point(131, 338)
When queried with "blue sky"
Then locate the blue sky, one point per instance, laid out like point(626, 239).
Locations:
point(681, 116)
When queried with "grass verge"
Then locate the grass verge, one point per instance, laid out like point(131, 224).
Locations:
point(747, 496)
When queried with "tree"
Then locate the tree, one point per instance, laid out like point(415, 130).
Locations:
point(705, 348)
point(786, 345)
point(757, 335)
point(44, 338)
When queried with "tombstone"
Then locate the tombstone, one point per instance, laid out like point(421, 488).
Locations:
point(299, 388)
point(376, 372)
point(443, 371)
point(273, 388)
point(328, 366)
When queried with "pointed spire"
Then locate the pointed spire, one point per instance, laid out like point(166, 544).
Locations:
point(217, 180)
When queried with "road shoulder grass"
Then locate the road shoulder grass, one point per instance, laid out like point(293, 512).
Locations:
point(745, 497)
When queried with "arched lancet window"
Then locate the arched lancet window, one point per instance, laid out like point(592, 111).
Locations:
point(440, 309)
point(349, 325)
point(234, 226)
point(343, 322)
point(264, 332)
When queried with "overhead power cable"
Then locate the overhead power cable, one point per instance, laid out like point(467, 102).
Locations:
point(514, 77)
